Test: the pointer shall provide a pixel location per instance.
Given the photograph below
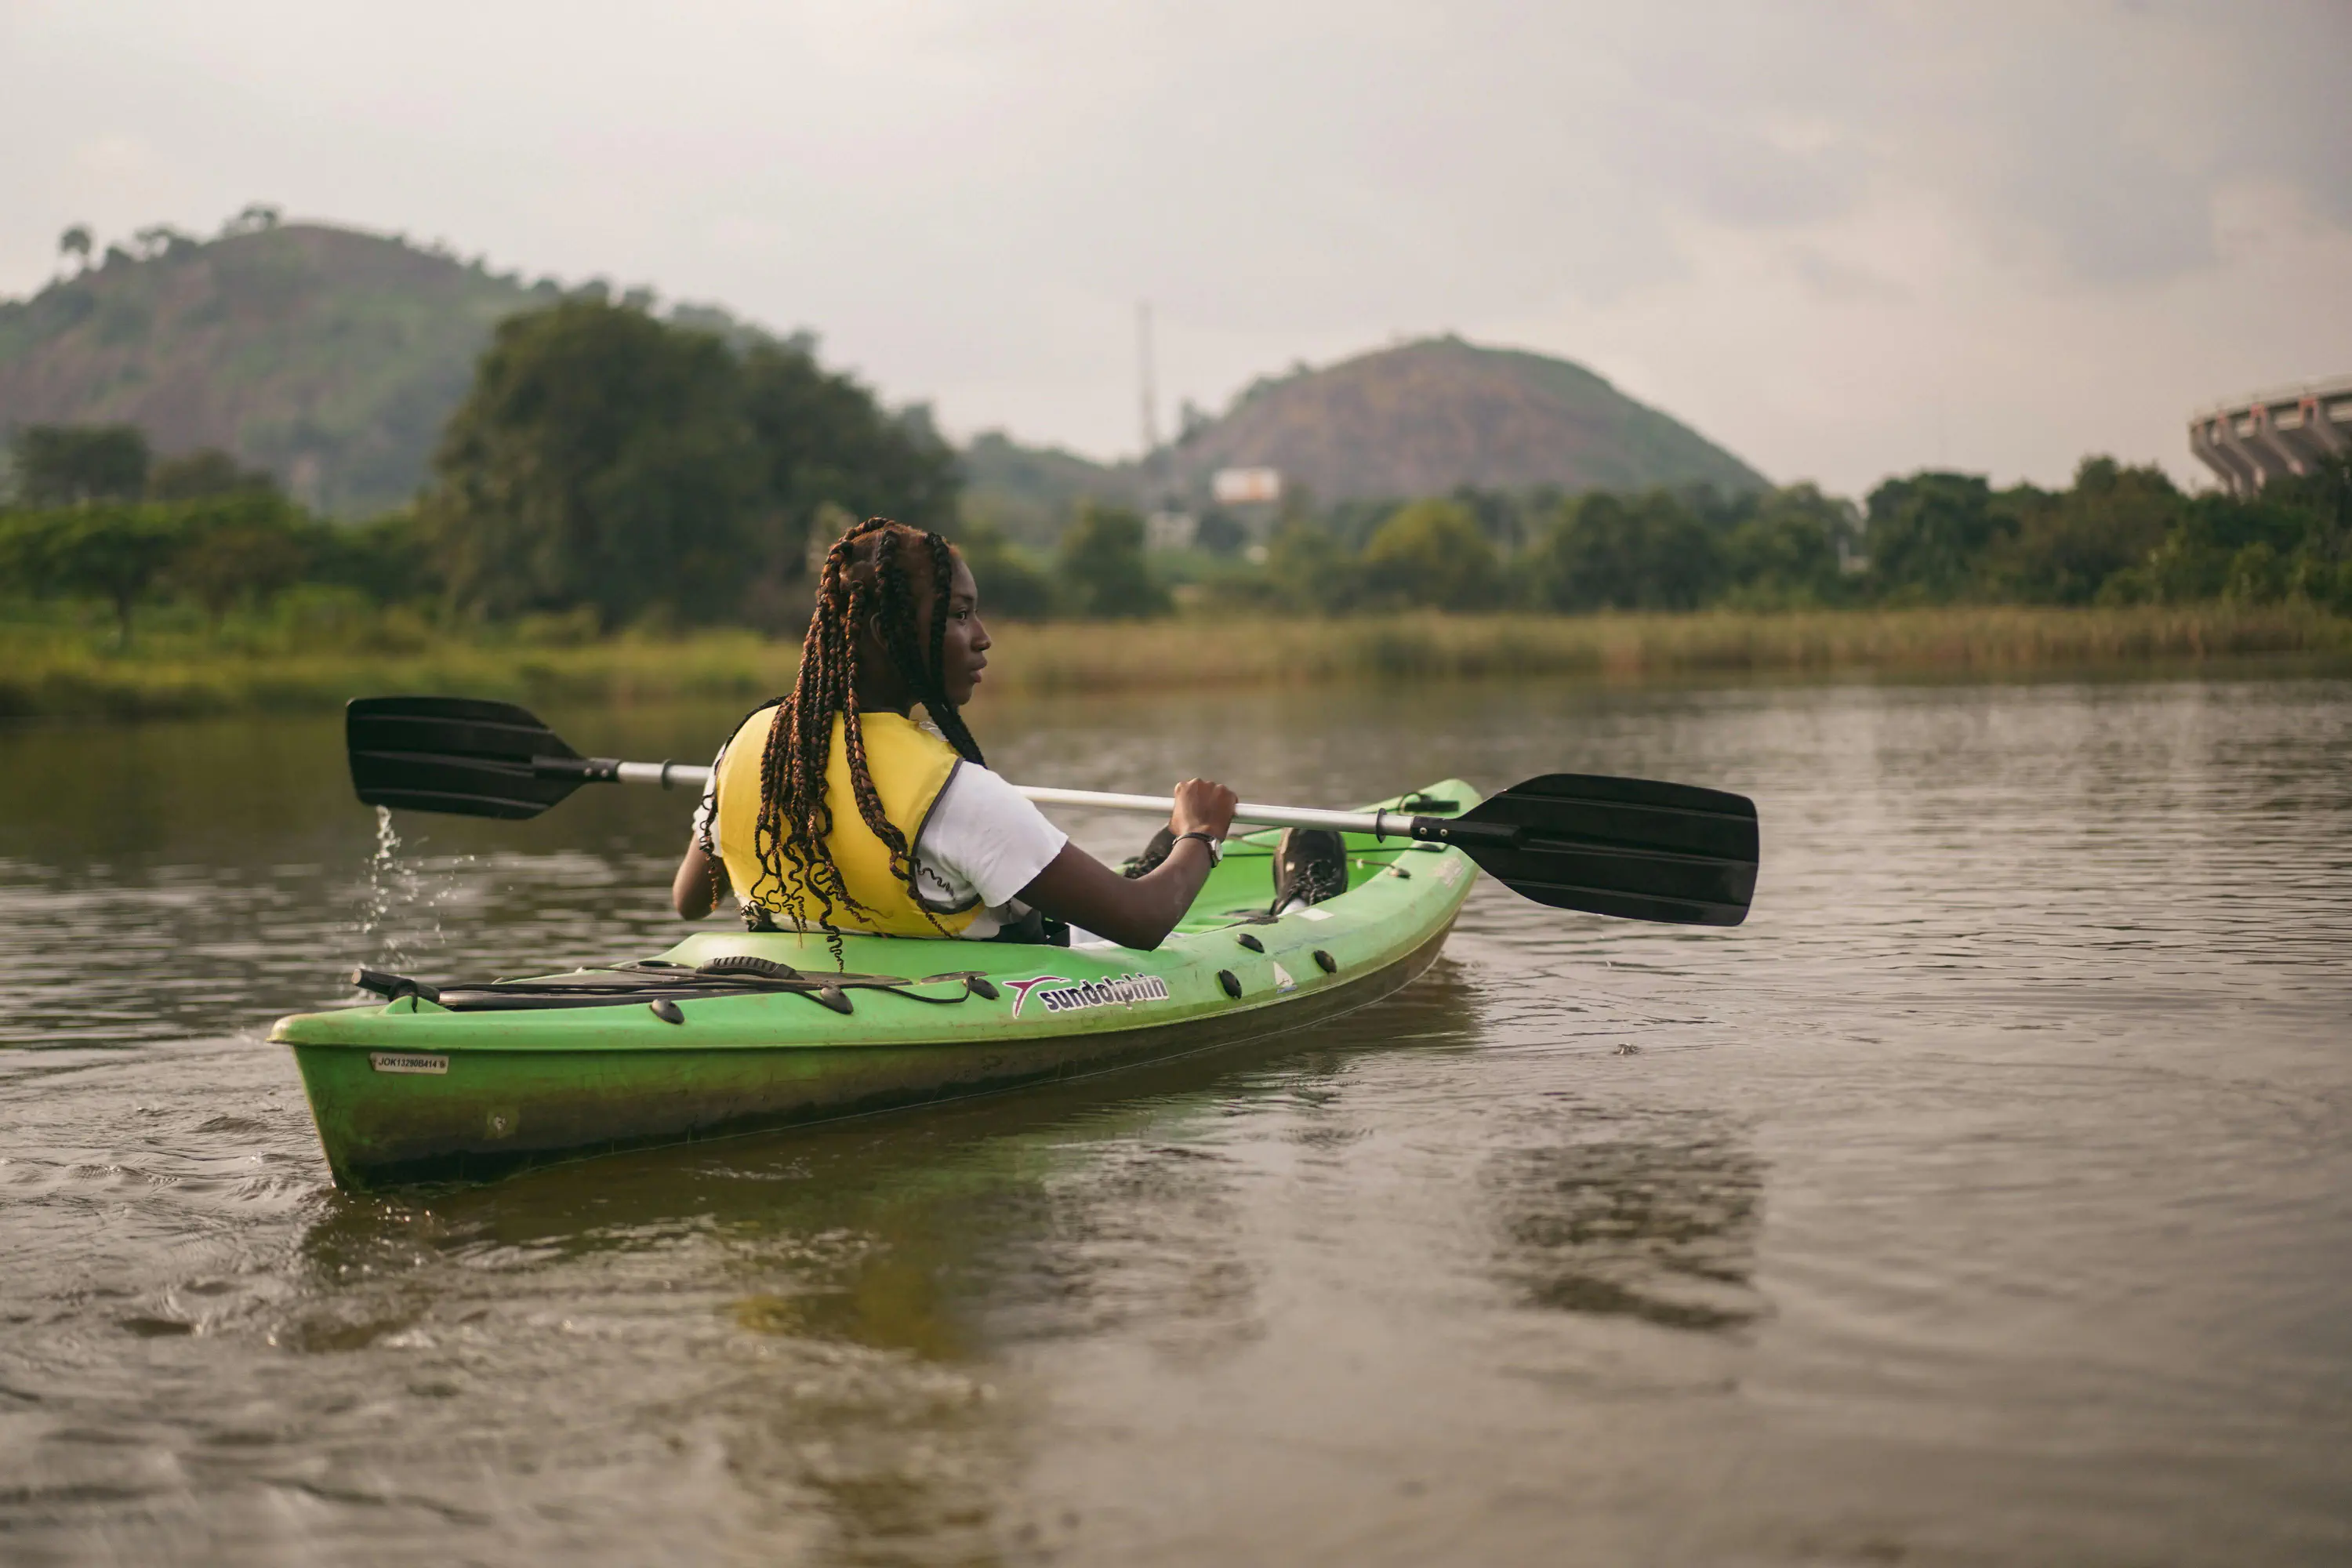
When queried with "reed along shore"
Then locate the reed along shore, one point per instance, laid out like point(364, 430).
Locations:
point(46, 672)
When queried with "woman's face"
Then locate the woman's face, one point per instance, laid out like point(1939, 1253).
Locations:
point(964, 653)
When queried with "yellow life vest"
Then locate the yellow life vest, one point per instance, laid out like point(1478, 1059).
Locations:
point(910, 767)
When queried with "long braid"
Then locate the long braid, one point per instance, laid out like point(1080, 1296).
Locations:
point(864, 577)
point(794, 818)
point(852, 737)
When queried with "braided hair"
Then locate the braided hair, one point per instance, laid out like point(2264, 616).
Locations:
point(882, 572)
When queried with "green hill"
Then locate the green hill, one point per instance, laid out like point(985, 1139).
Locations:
point(332, 357)
point(1424, 417)
point(327, 356)
point(1028, 492)
point(1420, 419)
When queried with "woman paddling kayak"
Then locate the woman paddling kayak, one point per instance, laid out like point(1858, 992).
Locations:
point(831, 810)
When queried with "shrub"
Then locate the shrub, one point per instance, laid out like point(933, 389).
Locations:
point(1605, 553)
point(1103, 568)
point(1434, 553)
point(1010, 588)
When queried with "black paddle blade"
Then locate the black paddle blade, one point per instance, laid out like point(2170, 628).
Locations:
point(456, 755)
point(1630, 847)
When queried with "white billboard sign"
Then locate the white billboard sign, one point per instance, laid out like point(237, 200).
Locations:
point(1241, 487)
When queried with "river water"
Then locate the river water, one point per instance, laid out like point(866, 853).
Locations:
point(1987, 1198)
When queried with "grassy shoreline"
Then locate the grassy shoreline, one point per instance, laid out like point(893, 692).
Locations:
point(48, 676)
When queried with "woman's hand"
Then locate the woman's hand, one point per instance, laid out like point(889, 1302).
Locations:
point(1138, 912)
point(1202, 806)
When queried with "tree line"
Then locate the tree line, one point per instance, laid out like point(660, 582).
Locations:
point(2117, 535)
point(620, 471)
point(94, 515)
point(605, 464)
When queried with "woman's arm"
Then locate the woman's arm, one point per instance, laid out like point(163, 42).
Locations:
point(1138, 912)
point(700, 883)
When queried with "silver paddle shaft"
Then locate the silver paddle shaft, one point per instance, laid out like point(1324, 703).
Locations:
point(1381, 823)
point(1394, 823)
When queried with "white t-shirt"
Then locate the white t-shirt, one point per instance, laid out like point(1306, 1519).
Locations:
point(983, 839)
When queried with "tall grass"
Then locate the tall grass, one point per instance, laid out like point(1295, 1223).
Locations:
point(156, 680)
point(46, 670)
point(1987, 641)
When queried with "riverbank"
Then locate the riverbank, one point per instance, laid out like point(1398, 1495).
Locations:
point(43, 675)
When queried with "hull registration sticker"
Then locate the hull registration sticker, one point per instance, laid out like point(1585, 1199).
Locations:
point(1059, 994)
point(407, 1061)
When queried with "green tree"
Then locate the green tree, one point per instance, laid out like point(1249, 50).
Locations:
point(2325, 583)
point(601, 459)
point(2256, 576)
point(1434, 553)
point(162, 239)
point(1352, 522)
point(392, 559)
point(107, 551)
point(1103, 568)
point(1606, 553)
point(2197, 557)
point(605, 458)
point(1308, 568)
point(821, 441)
point(1010, 587)
point(2320, 569)
point(255, 218)
point(2066, 546)
point(204, 473)
point(241, 548)
point(1786, 551)
point(824, 438)
point(72, 465)
point(74, 242)
point(1928, 534)
point(1501, 516)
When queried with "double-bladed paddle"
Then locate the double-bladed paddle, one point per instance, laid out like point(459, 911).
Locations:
point(1632, 848)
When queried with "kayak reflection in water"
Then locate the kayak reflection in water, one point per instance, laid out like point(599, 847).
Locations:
point(831, 810)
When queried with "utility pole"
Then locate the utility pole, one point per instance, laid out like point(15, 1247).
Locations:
point(1167, 525)
point(1149, 392)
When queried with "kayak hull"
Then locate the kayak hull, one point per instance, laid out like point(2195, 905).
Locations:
point(511, 1110)
point(410, 1092)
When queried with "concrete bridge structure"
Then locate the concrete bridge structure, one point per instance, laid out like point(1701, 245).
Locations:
point(2274, 434)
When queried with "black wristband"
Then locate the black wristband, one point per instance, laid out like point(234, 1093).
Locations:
point(1208, 840)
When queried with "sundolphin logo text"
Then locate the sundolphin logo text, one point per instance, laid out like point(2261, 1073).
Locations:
point(1060, 994)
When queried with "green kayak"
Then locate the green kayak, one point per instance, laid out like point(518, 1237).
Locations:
point(730, 1032)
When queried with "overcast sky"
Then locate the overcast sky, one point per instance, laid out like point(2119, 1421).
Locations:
point(1842, 240)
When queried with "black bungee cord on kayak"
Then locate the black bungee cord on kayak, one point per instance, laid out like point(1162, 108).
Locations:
point(655, 982)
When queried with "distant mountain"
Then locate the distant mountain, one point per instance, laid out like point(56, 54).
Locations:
point(327, 356)
point(1027, 491)
point(1419, 420)
point(1426, 417)
point(332, 358)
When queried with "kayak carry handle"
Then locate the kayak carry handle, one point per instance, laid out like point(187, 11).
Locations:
point(391, 987)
